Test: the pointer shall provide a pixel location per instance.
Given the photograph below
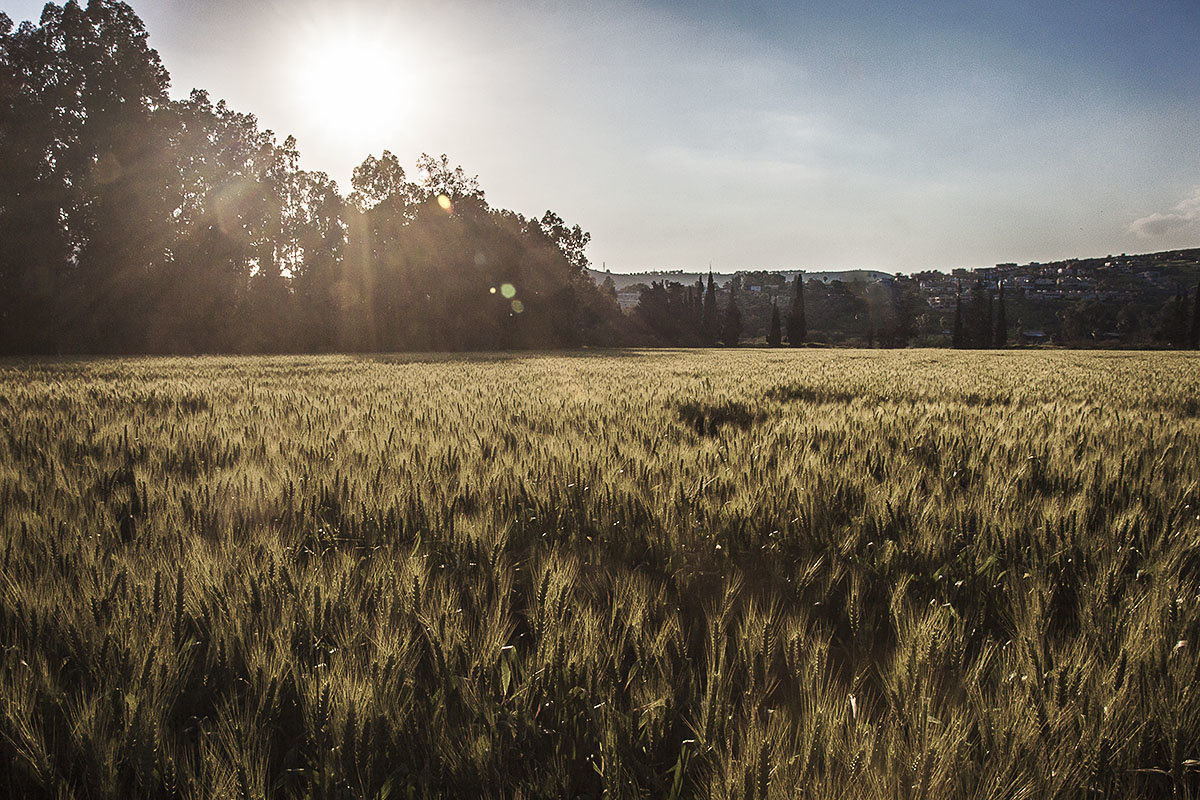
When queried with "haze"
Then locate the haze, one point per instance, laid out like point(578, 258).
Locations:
point(786, 135)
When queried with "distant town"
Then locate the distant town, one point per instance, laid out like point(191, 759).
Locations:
point(1107, 300)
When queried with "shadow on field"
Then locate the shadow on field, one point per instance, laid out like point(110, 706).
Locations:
point(519, 355)
point(707, 419)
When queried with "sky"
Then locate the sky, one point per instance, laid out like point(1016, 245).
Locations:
point(746, 135)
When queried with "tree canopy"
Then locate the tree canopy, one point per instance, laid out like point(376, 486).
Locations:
point(130, 222)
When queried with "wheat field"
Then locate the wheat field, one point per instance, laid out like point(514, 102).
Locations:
point(632, 574)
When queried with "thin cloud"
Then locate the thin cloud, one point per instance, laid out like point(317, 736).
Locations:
point(1184, 217)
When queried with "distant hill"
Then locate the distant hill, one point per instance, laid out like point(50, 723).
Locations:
point(623, 280)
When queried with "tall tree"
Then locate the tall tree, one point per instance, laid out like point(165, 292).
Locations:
point(978, 325)
point(708, 320)
point(241, 220)
point(572, 241)
point(83, 89)
point(797, 325)
point(775, 332)
point(1173, 326)
point(957, 339)
point(33, 238)
point(1195, 332)
point(130, 222)
point(1000, 339)
point(905, 298)
point(731, 327)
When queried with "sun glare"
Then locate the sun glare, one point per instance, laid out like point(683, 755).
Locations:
point(356, 84)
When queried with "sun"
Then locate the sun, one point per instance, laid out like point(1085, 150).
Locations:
point(355, 83)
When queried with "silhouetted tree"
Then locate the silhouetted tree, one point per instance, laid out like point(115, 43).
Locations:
point(82, 144)
point(978, 328)
point(1173, 325)
point(731, 328)
point(1000, 339)
point(1085, 321)
point(1129, 322)
point(130, 222)
point(775, 332)
point(667, 310)
point(1195, 332)
point(905, 296)
point(797, 325)
point(708, 321)
point(571, 241)
point(957, 340)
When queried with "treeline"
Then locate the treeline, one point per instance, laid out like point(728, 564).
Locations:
point(894, 312)
point(981, 320)
point(1173, 324)
point(885, 314)
point(130, 222)
point(985, 323)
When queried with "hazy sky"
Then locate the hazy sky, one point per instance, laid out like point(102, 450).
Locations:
point(770, 134)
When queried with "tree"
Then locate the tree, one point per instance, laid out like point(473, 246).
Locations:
point(571, 241)
point(81, 144)
point(1001, 336)
point(797, 326)
point(1085, 321)
point(1129, 322)
point(439, 179)
point(957, 340)
point(775, 332)
point(979, 328)
point(708, 319)
point(314, 249)
point(382, 180)
point(1173, 325)
point(731, 328)
point(1195, 332)
point(248, 222)
point(667, 310)
point(133, 223)
point(905, 298)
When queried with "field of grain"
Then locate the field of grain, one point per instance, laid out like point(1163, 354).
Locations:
point(661, 574)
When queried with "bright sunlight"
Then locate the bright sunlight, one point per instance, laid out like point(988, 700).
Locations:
point(356, 83)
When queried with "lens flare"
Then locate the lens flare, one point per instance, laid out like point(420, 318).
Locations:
point(508, 290)
point(445, 203)
point(517, 306)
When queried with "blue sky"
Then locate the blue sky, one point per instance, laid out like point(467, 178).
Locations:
point(749, 135)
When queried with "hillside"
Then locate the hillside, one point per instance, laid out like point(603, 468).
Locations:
point(623, 280)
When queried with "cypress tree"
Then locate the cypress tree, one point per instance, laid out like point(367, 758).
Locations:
point(1195, 332)
point(731, 330)
point(957, 342)
point(1001, 337)
point(1180, 334)
point(775, 333)
point(708, 317)
point(902, 324)
point(979, 318)
point(797, 327)
point(1183, 335)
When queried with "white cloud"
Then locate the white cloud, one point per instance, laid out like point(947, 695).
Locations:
point(1184, 217)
